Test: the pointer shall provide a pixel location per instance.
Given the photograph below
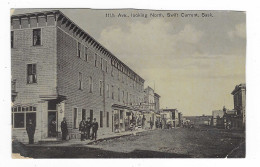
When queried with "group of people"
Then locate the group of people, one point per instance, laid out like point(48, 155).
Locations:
point(84, 128)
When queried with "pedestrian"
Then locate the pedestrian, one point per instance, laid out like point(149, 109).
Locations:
point(64, 129)
point(151, 124)
point(30, 128)
point(82, 129)
point(94, 129)
point(161, 124)
point(88, 126)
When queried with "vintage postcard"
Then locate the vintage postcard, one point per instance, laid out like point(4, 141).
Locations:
point(128, 83)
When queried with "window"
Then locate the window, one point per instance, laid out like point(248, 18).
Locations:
point(112, 92)
point(107, 119)
point(101, 63)
point(80, 81)
point(90, 84)
point(21, 116)
point(83, 114)
point(31, 73)
point(112, 71)
point(19, 120)
point(12, 39)
point(106, 66)
point(95, 60)
point(107, 90)
point(101, 119)
point(86, 54)
point(126, 97)
point(36, 37)
point(123, 96)
point(100, 88)
point(118, 94)
point(91, 115)
point(79, 49)
point(75, 118)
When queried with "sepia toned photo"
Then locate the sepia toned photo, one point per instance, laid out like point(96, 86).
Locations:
point(128, 83)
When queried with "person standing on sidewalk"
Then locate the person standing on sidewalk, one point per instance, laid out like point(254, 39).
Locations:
point(94, 129)
point(64, 129)
point(88, 126)
point(82, 129)
point(30, 128)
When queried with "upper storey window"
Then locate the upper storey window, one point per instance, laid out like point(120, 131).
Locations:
point(12, 39)
point(79, 49)
point(36, 37)
point(31, 73)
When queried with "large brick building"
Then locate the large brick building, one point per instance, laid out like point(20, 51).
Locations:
point(59, 70)
point(239, 96)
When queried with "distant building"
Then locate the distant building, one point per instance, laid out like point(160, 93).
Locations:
point(239, 96)
point(217, 116)
point(149, 98)
point(156, 102)
point(173, 116)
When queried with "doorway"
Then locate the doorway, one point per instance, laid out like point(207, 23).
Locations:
point(52, 124)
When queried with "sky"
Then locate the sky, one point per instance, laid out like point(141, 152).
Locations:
point(193, 63)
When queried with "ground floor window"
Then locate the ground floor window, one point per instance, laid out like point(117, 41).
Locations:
point(75, 118)
point(21, 116)
point(107, 119)
point(101, 119)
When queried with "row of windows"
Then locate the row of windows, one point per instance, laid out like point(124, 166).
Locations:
point(82, 52)
point(101, 91)
point(76, 118)
point(36, 37)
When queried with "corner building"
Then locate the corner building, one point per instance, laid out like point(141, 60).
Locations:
point(59, 70)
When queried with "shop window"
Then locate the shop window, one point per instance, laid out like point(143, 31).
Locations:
point(21, 116)
point(19, 120)
point(36, 37)
point(31, 73)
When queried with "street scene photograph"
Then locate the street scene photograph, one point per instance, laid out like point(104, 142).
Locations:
point(127, 83)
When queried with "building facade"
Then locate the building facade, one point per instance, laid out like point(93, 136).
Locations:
point(59, 70)
point(239, 96)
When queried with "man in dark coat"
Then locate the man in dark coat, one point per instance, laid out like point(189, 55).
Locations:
point(30, 128)
point(88, 126)
point(82, 129)
point(94, 129)
point(64, 129)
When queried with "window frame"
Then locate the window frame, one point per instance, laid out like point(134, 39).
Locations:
point(75, 120)
point(12, 39)
point(34, 30)
point(90, 84)
point(23, 110)
point(33, 73)
point(80, 81)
